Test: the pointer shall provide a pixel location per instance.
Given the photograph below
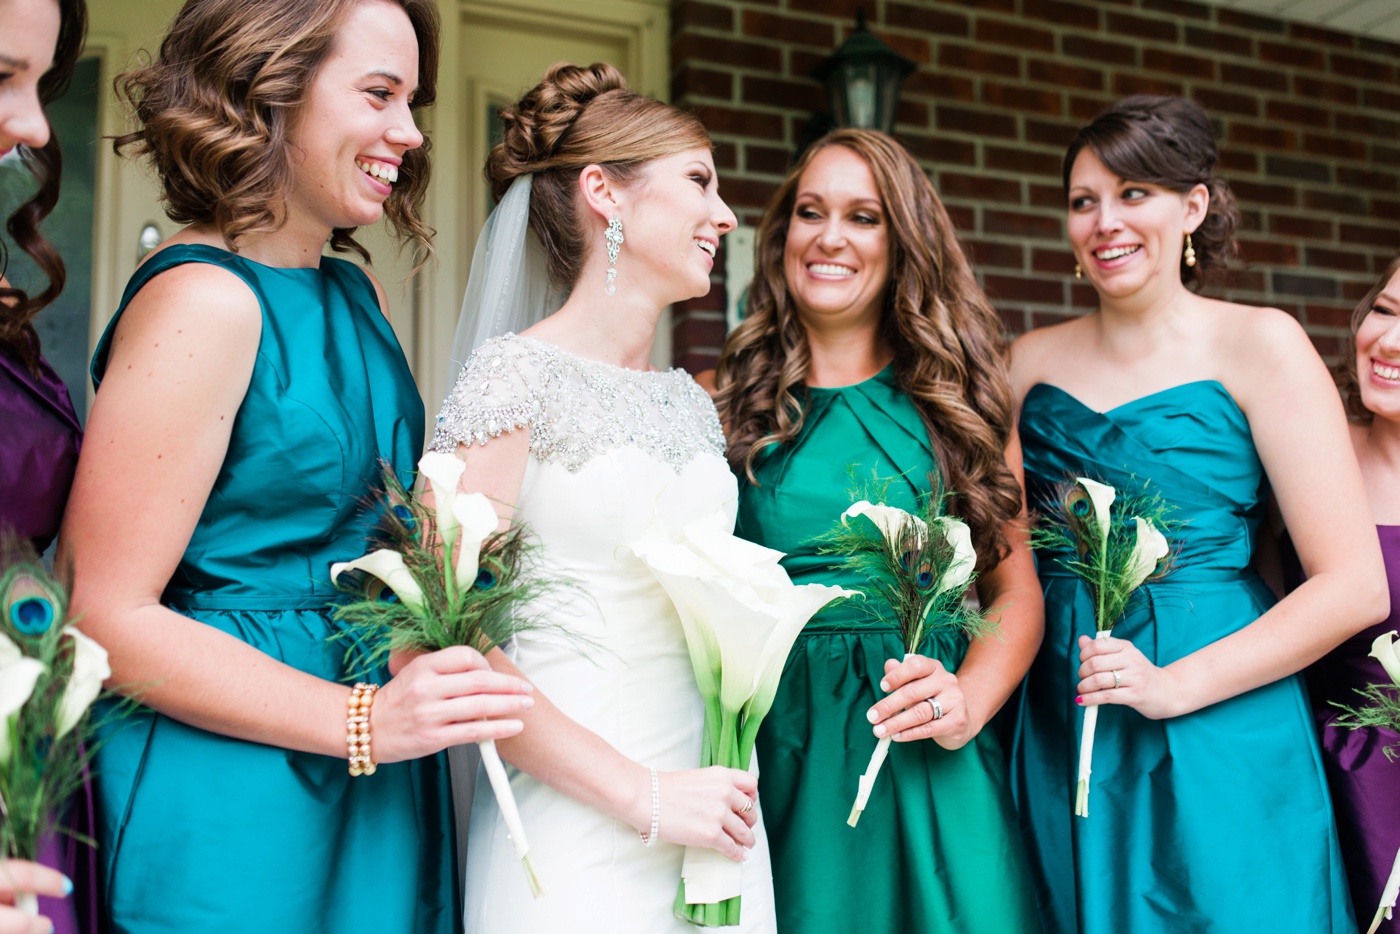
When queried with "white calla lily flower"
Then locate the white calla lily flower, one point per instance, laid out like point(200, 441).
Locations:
point(18, 675)
point(890, 520)
point(1102, 496)
point(1149, 549)
point(90, 669)
point(444, 472)
point(964, 562)
point(477, 521)
point(388, 566)
point(1387, 651)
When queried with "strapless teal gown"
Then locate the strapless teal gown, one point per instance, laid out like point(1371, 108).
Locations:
point(203, 833)
point(936, 850)
point(1216, 822)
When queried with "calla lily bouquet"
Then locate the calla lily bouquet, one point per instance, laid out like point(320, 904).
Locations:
point(443, 578)
point(919, 566)
point(1113, 557)
point(741, 613)
point(50, 673)
point(1383, 712)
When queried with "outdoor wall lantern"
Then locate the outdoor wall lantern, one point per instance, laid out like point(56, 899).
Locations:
point(863, 78)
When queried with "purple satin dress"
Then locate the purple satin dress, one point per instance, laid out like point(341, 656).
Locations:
point(1365, 784)
point(38, 456)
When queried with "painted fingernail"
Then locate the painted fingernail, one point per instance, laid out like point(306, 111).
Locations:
point(67, 886)
point(884, 685)
point(880, 730)
point(872, 715)
point(1079, 701)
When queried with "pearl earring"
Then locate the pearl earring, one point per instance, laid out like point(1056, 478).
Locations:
point(1189, 257)
point(1078, 272)
point(614, 238)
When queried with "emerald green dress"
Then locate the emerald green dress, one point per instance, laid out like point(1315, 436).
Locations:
point(937, 848)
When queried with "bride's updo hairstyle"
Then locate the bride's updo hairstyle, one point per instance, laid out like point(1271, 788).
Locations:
point(214, 108)
point(1168, 142)
point(574, 118)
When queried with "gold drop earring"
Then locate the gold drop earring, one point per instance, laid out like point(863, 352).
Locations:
point(1078, 272)
point(1189, 257)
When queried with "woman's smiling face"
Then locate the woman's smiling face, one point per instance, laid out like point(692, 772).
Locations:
point(837, 256)
point(1378, 354)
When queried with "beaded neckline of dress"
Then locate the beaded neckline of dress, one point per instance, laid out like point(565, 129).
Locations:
point(576, 408)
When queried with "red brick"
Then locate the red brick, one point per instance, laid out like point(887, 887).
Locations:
point(1367, 125)
point(1322, 258)
point(1266, 79)
point(789, 30)
point(1056, 262)
point(841, 9)
point(747, 192)
point(1334, 91)
point(1266, 251)
point(940, 85)
point(1021, 98)
point(1004, 6)
point(941, 150)
point(1249, 21)
point(1042, 291)
point(1083, 49)
point(1047, 196)
point(1387, 237)
point(1319, 145)
point(1003, 32)
point(1353, 291)
point(1259, 193)
point(1124, 85)
point(1254, 134)
point(980, 122)
point(990, 253)
point(696, 15)
point(1015, 223)
point(969, 58)
point(1202, 39)
point(1048, 133)
point(925, 20)
point(726, 156)
point(1334, 201)
point(1180, 8)
point(1175, 63)
point(1306, 33)
point(1065, 75)
point(913, 113)
point(769, 160)
point(1024, 161)
point(978, 187)
point(1292, 225)
point(1061, 14)
point(1381, 100)
point(963, 217)
point(1367, 68)
point(1246, 105)
point(1362, 178)
point(1141, 27)
point(741, 122)
point(796, 95)
point(1238, 162)
point(1291, 55)
point(803, 62)
point(694, 48)
point(915, 48)
point(1328, 316)
point(1385, 208)
point(701, 82)
point(1379, 47)
point(1289, 111)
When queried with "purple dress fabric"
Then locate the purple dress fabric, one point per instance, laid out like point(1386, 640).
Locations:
point(1365, 783)
point(38, 457)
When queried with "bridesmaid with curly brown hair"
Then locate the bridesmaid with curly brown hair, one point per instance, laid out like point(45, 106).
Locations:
point(869, 345)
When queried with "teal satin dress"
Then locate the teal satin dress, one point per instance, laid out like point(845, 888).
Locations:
point(1215, 822)
point(203, 833)
point(937, 849)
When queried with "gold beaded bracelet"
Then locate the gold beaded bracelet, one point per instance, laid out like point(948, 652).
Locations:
point(357, 728)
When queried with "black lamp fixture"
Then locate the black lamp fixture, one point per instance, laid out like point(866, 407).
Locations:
point(863, 78)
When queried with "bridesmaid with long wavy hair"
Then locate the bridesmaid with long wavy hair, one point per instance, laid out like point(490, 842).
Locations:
point(869, 345)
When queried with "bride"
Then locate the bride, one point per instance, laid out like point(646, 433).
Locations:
point(568, 426)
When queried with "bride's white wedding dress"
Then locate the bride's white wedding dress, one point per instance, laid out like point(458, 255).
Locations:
point(612, 451)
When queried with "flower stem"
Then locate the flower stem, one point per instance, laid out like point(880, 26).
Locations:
point(867, 781)
point(505, 800)
point(1086, 751)
point(1389, 896)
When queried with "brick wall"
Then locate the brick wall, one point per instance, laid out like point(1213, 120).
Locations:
point(1308, 120)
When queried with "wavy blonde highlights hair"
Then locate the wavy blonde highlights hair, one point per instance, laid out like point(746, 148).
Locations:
point(215, 107)
point(949, 344)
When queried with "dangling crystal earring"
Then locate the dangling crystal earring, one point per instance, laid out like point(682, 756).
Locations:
point(1189, 257)
point(614, 238)
point(1078, 272)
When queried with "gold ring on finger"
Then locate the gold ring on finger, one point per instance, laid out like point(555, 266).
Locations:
point(1117, 679)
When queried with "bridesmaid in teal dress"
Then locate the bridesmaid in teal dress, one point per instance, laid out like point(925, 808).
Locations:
point(869, 345)
point(1210, 810)
point(249, 389)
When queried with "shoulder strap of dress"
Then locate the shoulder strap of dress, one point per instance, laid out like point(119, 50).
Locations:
point(175, 255)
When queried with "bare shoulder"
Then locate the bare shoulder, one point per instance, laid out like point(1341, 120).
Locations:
point(1034, 354)
point(199, 299)
point(1261, 337)
point(706, 379)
